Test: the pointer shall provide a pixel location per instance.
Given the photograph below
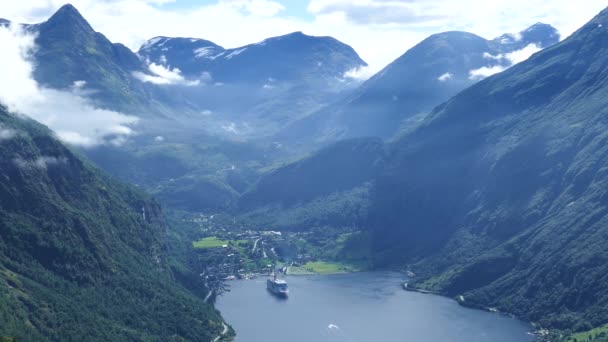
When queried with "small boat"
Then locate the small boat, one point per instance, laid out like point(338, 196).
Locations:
point(276, 286)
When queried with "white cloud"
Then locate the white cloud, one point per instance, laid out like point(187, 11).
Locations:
point(516, 56)
point(159, 138)
point(488, 55)
point(42, 162)
point(509, 59)
point(258, 8)
point(485, 71)
point(7, 133)
point(445, 77)
point(376, 11)
point(523, 54)
point(230, 128)
point(79, 84)
point(71, 116)
point(162, 75)
point(360, 73)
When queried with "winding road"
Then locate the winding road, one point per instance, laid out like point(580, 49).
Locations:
point(208, 296)
point(255, 245)
point(224, 332)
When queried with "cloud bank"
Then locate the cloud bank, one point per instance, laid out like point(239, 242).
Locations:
point(445, 77)
point(162, 75)
point(507, 60)
point(42, 162)
point(72, 116)
point(360, 73)
point(6, 133)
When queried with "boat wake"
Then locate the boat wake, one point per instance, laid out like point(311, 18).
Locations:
point(337, 334)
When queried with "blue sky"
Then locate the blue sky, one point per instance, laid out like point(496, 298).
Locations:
point(294, 8)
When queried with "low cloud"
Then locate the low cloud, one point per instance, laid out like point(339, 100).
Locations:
point(230, 128)
point(507, 60)
point(73, 117)
point(80, 84)
point(523, 54)
point(161, 75)
point(445, 77)
point(484, 72)
point(6, 133)
point(360, 73)
point(42, 162)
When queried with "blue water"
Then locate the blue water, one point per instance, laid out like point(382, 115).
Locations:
point(358, 307)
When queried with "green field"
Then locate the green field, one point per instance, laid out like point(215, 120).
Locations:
point(209, 242)
point(293, 270)
point(591, 335)
point(325, 267)
point(214, 242)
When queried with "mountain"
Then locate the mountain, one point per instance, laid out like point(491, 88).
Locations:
point(69, 50)
point(426, 75)
point(84, 257)
point(293, 57)
point(500, 194)
point(258, 89)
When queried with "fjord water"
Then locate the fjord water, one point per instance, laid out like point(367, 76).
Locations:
point(358, 307)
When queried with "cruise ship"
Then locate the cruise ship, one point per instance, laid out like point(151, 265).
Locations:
point(276, 286)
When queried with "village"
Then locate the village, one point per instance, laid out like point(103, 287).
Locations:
point(228, 250)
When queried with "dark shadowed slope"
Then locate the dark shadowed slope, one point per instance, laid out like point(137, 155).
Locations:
point(503, 189)
point(327, 187)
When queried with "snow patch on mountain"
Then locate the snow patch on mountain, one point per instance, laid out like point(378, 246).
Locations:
point(204, 52)
point(235, 53)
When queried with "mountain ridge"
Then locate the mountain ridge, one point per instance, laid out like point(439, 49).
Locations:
point(399, 96)
point(191, 60)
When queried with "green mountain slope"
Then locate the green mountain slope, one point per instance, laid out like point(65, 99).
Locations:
point(329, 187)
point(500, 195)
point(82, 257)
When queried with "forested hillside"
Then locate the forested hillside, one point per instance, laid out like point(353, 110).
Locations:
point(329, 187)
point(83, 257)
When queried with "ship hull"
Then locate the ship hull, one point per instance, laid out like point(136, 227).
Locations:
point(275, 290)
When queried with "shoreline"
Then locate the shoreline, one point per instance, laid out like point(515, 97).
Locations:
point(538, 332)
